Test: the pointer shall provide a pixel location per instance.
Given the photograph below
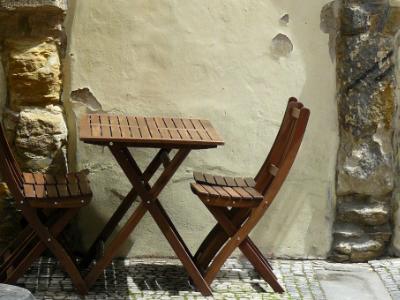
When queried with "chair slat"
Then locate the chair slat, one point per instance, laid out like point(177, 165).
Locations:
point(29, 191)
point(28, 178)
point(63, 190)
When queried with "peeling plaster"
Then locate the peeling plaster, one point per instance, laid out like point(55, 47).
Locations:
point(281, 45)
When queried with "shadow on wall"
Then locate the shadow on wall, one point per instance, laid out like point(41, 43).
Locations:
point(315, 222)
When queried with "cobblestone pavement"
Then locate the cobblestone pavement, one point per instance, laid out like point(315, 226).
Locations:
point(166, 279)
point(389, 272)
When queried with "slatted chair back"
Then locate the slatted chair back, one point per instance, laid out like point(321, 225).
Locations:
point(281, 147)
point(9, 166)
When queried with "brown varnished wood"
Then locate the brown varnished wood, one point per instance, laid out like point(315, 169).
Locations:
point(36, 195)
point(148, 131)
point(232, 231)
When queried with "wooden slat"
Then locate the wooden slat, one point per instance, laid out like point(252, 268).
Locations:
point(232, 192)
point(52, 191)
point(184, 134)
point(61, 179)
point(50, 179)
point(71, 178)
point(242, 193)
point(124, 125)
point(74, 189)
point(28, 178)
point(134, 127)
point(250, 182)
point(188, 124)
point(222, 192)
point(209, 179)
point(210, 190)
point(199, 188)
point(40, 191)
point(220, 180)
point(84, 127)
point(151, 124)
point(200, 130)
point(253, 193)
point(240, 181)
point(230, 181)
point(29, 191)
point(62, 190)
point(115, 131)
point(144, 130)
point(84, 187)
point(210, 130)
point(170, 124)
point(160, 122)
point(39, 178)
point(175, 134)
point(95, 125)
point(198, 176)
point(178, 123)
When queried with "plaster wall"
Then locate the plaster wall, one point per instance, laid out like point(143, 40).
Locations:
point(209, 59)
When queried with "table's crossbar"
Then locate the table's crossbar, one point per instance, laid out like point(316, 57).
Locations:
point(106, 128)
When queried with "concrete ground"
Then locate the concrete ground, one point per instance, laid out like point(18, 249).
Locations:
point(166, 279)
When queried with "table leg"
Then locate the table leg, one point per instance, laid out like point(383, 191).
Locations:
point(109, 228)
point(115, 244)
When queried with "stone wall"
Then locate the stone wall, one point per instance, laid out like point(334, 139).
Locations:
point(32, 46)
point(366, 83)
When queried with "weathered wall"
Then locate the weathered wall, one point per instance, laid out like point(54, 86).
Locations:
point(230, 62)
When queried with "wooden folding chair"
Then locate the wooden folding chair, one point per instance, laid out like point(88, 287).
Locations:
point(239, 203)
point(47, 203)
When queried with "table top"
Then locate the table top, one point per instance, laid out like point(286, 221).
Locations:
point(148, 131)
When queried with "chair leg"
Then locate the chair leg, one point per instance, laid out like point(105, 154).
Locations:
point(218, 237)
point(245, 246)
point(50, 241)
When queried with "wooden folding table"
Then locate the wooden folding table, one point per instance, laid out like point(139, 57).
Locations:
point(167, 134)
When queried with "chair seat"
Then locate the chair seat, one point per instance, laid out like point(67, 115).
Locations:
point(67, 191)
point(226, 191)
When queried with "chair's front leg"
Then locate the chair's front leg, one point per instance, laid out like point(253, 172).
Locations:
point(240, 239)
point(50, 241)
point(217, 238)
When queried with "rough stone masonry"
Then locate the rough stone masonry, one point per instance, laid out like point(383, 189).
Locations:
point(32, 45)
point(366, 83)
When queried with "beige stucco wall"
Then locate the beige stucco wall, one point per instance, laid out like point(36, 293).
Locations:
point(210, 59)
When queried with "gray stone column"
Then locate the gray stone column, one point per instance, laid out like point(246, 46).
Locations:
point(366, 84)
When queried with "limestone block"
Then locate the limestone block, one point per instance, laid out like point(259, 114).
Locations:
point(41, 138)
point(355, 19)
point(357, 250)
point(33, 72)
point(12, 5)
point(368, 212)
point(366, 82)
point(365, 165)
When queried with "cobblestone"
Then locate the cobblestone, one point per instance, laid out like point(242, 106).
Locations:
point(166, 279)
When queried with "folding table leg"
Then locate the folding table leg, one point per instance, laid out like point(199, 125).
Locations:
point(132, 171)
point(180, 249)
point(113, 247)
point(123, 207)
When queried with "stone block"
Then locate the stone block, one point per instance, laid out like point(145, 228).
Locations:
point(367, 212)
point(33, 72)
point(365, 166)
point(41, 139)
point(357, 250)
point(46, 5)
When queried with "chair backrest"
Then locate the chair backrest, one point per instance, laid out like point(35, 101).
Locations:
point(287, 140)
point(9, 166)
